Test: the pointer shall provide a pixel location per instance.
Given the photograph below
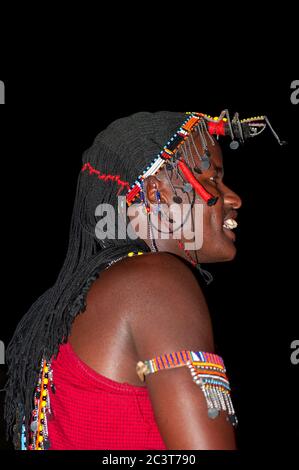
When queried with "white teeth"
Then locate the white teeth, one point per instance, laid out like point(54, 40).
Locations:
point(230, 224)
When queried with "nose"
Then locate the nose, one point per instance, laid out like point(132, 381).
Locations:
point(232, 199)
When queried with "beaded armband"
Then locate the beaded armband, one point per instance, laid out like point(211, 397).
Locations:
point(207, 371)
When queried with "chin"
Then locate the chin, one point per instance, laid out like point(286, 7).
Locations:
point(230, 255)
point(223, 256)
point(222, 250)
point(228, 249)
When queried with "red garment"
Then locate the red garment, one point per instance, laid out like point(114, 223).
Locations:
point(92, 412)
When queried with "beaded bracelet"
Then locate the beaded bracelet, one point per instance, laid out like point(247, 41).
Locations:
point(207, 371)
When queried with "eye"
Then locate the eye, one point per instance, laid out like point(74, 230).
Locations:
point(214, 179)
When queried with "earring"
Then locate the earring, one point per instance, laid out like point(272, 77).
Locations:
point(146, 206)
point(150, 234)
point(158, 199)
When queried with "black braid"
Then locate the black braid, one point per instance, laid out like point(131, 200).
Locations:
point(125, 148)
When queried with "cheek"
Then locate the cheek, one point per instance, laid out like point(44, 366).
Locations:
point(213, 217)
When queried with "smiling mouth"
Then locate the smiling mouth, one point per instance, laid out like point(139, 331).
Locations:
point(230, 224)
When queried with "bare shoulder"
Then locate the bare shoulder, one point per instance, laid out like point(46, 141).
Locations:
point(159, 296)
point(152, 269)
point(167, 307)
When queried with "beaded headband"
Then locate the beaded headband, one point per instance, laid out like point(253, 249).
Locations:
point(102, 176)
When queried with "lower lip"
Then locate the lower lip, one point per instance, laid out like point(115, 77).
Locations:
point(230, 234)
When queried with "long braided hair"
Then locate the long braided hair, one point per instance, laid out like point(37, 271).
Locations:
point(124, 149)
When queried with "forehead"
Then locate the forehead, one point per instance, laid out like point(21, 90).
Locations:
point(217, 157)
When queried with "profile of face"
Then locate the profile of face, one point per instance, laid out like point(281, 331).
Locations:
point(218, 237)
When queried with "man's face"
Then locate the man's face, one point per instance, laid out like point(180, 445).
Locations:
point(218, 239)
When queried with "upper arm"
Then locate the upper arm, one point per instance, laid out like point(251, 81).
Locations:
point(172, 315)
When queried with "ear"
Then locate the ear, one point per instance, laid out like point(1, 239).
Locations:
point(152, 186)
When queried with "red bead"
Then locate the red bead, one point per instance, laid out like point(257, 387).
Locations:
point(200, 190)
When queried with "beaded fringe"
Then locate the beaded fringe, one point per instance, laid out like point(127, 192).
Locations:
point(216, 391)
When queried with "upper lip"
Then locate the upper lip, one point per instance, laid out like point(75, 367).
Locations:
point(231, 215)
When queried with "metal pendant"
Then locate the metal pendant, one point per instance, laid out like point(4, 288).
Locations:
point(205, 163)
point(197, 170)
point(33, 426)
point(213, 413)
point(46, 444)
point(234, 145)
point(177, 199)
point(187, 188)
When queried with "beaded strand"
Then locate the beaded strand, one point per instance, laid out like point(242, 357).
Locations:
point(129, 255)
point(38, 435)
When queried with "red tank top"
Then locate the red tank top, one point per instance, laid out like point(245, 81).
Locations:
point(93, 412)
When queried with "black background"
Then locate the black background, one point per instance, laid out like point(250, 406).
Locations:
point(47, 123)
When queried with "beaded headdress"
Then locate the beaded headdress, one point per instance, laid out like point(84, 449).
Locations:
point(238, 130)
